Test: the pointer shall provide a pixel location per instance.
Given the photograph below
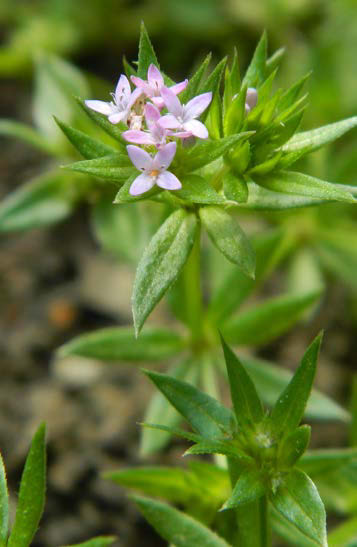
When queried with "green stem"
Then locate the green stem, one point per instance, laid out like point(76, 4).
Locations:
point(192, 289)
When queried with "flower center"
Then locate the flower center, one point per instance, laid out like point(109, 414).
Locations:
point(154, 173)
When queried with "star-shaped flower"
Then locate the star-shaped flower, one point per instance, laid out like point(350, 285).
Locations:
point(153, 85)
point(154, 169)
point(117, 110)
point(183, 117)
point(156, 134)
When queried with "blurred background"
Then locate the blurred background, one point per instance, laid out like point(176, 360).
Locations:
point(57, 282)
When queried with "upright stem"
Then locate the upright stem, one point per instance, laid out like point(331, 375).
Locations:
point(192, 288)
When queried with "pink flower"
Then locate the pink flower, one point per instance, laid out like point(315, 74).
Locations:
point(183, 117)
point(156, 134)
point(117, 110)
point(251, 99)
point(154, 169)
point(153, 85)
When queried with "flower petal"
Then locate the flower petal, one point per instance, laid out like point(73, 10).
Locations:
point(169, 122)
point(122, 90)
point(138, 137)
point(251, 98)
point(168, 181)
point(198, 129)
point(172, 103)
point(152, 113)
point(118, 117)
point(197, 105)
point(180, 134)
point(177, 88)
point(155, 76)
point(164, 156)
point(141, 184)
point(140, 158)
point(141, 84)
point(134, 97)
point(100, 106)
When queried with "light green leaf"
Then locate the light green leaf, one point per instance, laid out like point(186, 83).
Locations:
point(116, 167)
point(262, 199)
point(322, 461)
point(235, 113)
point(114, 130)
point(274, 60)
point(11, 128)
point(235, 188)
point(161, 263)
point(249, 487)
point(213, 81)
point(293, 446)
point(291, 94)
point(119, 344)
point(255, 73)
point(87, 146)
point(287, 531)
point(146, 53)
point(312, 140)
point(291, 182)
point(101, 541)
point(298, 501)
point(32, 493)
point(194, 82)
point(179, 529)
point(226, 448)
point(345, 534)
point(197, 190)
point(229, 238)
point(246, 403)
point(206, 415)
point(289, 408)
point(270, 380)
point(4, 505)
point(268, 320)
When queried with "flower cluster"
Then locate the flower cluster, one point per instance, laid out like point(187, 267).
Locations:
point(141, 110)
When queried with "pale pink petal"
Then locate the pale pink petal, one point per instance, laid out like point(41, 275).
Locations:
point(172, 103)
point(141, 84)
point(100, 106)
point(169, 122)
point(197, 105)
point(196, 128)
point(158, 101)
point(138, 137)
point(141, 184)
point(251, 98)
point(117, 117)
point(164, 156)
point(177, 88)
point(122, 89)
point(140, 158)
point(134, 96)
point(152, 114)
point(168, 181)
point(154, 75)
point(180, 134)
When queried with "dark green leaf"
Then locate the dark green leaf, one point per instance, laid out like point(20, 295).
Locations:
point(32, 493)
point(293, 446)
point(4, 505)
point(174, 431)
point(235, 113)
point(255, 73)
point(116, 167)
point(268, 320)
point(247, 405)
point(11, 128)
point(146, 53)
point(226, 448)
point(235, 188)
point(197, 190)
point(102, 541)
point(119, 344)
point(177, 528)
point(289, 408)
point(102, 121)
point(229, 238)
point(249, 487)
point(206, 415)
point(87, 146)
point(291, 94)
point(214, 79)
point(194, 82)
point(287, 531)
point(298, 501)
point(161, 263)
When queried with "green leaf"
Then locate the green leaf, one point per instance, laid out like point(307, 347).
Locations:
point(32, 493)
point(161, 263)
point(322, 461)
point(234, 115)
point(119, 344)
point(249, 487)
point(270, 380)
point(194, 82)
point(146, 53)
point(177, 528)
point(116, 167)
point(298, 501)
point(4, 505)
point(313, 140)
point(197, 190)
point(289, 408)
point(114, 130)
point(226, 448)
point(172, 484)
point(11, 128)
point(229, 238)
point(345, 534)
point(235, 188)
point(101, 541)
point(262, 199)
point(290, 182)
point(246, 403)
point(268, 320)
point(87, 146)
point(40, 202)
point(183, 434)
point(293, 446)
point(287, 531)
point(206, 415)
point(255, 73)
point(291, 94)
point(213, 81)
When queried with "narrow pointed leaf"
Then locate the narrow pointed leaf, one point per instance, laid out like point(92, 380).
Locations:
point(262, 199)
point(274, 60)
point(32, 493)
point(161, 263)
point(293, 446)
point(116, 167)
point(206, 415)
point(176, 527)
point(146, 53)
point(225, 448)
point(235, 188)
point(235, 113)
point(102, 541)
point(288, 532)
point(87, 146)
point(214, 79)
point(174, 431)
point(194, 82)
point(197, 190)
point(255, 73)
point(4, 505)
point(298, 501)
point(315, 462)
point(247, 405)
point(288, 98)
point(11, 128)
point(268, 320)
point(229, 238)
point(289, 408)
point(249, 487)
point(206, 152)
point(114, 130)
